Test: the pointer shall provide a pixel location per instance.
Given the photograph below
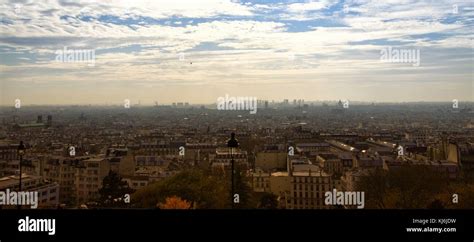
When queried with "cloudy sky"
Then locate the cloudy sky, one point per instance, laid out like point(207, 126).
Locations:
point(198, 50)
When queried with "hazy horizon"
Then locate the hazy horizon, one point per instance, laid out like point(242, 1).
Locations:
point(309, 102)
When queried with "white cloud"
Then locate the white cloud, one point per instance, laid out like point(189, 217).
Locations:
point(259, 49)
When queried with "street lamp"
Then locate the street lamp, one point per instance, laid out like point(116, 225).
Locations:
point(232, 143)
point(21, 151)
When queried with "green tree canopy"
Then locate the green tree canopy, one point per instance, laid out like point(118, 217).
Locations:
point(201, 189)
point(113, 190)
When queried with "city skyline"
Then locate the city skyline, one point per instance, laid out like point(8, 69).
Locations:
point(169, 51)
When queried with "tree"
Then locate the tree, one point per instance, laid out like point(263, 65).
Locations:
point(268, 201)
point(375, 187)
point(174, 202)
point(408, 186)
point(436, 204)
point(200, 188)
point(113, 190)
point(458, 195)
point(417, 185)
point(242, 188)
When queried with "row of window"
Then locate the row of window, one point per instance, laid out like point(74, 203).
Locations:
point(307, 203)
point(89, 186)
point(46, 200)
point(311, 194)
point(311, 180)
point(44, 193)
point(136, 184)
point(310, 187)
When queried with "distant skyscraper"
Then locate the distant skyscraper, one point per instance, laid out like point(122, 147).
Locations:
point(40, 119)
point(50, 120)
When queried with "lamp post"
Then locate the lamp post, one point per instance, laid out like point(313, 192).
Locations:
point(21, 152)
point(232, 143)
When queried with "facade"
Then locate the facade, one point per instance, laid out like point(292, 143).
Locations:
point(224, 156)
point(48, 192)
point(61, 171)
point(295, 190)
point(271, 160)
point(331, 163)
point(89, 176)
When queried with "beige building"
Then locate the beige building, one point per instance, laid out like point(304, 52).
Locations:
point(136, 182)
point(331, 163)
point(223, 157)
point(61, 170)
point(271, 160)
point(48, 192)
point(89, 176)
point(295, 190)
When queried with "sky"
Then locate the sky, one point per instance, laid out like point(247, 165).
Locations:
point(198, 50)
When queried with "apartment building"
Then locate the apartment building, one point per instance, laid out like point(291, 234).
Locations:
point(48, 192)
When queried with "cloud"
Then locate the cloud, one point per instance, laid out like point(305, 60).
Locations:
point(231, 43)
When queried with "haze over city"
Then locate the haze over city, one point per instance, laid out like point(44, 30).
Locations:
point(196, 51)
